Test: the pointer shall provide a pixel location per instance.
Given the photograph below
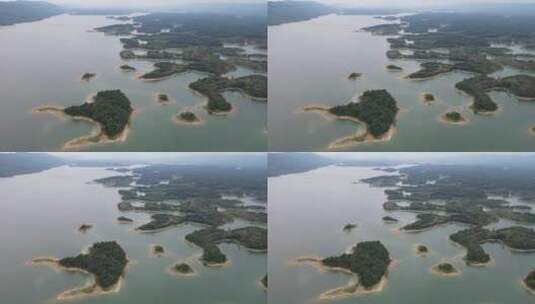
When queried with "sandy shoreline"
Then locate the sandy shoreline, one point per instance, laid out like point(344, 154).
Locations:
point(96, 136)
point(353, 288)
point(91, 288)
point(526, 287)
point(361, 137)
point(171, 271)
point(177, 120)
point(443, 119)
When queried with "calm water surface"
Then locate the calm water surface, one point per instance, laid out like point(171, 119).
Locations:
point(307, 213)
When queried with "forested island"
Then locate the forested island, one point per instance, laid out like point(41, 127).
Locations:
point(252, 237)
point(368, 260)
point(111, 109)
point(213, 87)
point(445, 269)
point(376, 108)
point(104, 261)
point(529, 281)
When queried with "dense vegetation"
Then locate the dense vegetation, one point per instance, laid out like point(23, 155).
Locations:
point(446, 268)
point(212, 88)
point(369, 260)
point(251, 237)
point(188, 116)
point(453, 116)
point(378, 109)
point(112, 109)
point(106, 260)
point(520, 238)
point(183, 268)
point(529, 280)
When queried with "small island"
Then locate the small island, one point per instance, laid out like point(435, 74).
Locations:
point(183, 268)
point(84, 228)
point(354, 76)
point(264, 282)
point(393, 67)
point(421, 250)
point(532, 130)
point(157, 250)
point(349, 227)
point(389, 219)
point(445, 269)
point(452, 117)
point(124, 220)
point(88, 76)
point(529, 281)
point(127, 68)
point(161, 98)
point(428, 97)
point(187, 117)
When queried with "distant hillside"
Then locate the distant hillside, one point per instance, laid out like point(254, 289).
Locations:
point(26, 11)
point(12, 164)
point(289, 163)
point(280, 12)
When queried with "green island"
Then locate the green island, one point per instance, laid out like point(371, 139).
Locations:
point(124, 219)
point(428, 97)
point(349, 227)
point(188, 117)
point(376, 108)
point(522, 86)
point(390, 219)
point(354, 76)
point(84, 227)
point(183, 268)
point(393, 67)
point(369, 260)
point(445, 268)
point(529, 281)
point(111, 109)
point(264, 281)
point(105, 260)
point(127, 68)
point(254, 86)
point(157, 250)
point(453, 116)
point(517, 238)
point(421, 250)
point(88, 76)
point(254, 238)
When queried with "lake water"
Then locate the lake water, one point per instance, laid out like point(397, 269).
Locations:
point(41, 214)
point(42, 63)
point(309, 63)
point(307, 212)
